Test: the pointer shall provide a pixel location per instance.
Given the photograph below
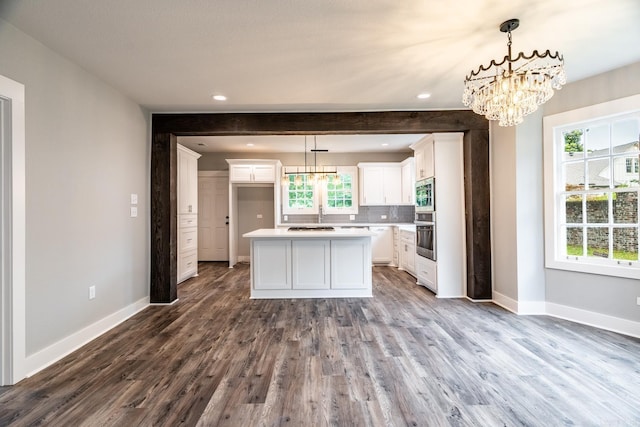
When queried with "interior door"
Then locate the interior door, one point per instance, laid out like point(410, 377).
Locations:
point(213, 220)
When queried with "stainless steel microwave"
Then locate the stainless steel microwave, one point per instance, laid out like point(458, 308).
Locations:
point(425, 195)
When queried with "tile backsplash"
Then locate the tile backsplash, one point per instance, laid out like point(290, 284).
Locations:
point(366, 214)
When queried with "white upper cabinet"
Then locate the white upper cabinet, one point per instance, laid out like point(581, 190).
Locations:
point(380, 184)
point(187, 180)
point(425, 166)
point(252, 171)
point(408, 181)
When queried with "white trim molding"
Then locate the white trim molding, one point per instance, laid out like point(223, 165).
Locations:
point(572, 314)
point(519, 307)
point(591, 318)
point(56, 351)
point(13, 360)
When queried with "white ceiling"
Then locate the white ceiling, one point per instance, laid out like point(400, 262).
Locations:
point(296, 143)
point(295, 55)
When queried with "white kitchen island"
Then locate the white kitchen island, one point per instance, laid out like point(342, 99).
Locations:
point(310, 263)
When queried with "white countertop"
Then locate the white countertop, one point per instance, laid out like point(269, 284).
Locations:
point(283, 233)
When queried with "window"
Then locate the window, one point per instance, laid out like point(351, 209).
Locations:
point(591, 190)
point(299, 195)
point(303, 194)
point(342, 197)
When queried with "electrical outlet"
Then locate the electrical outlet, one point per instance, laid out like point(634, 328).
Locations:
point(352, 217)
point(638, 300)
point(286, 217)
point(383, 217)
point(92, 292)
point(259, 216)
point(134, 211)
point(134, 199)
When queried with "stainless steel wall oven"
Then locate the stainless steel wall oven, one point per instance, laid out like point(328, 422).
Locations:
point(426, 234)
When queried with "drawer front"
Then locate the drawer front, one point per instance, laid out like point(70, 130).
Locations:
point(407, 236)
point(188, 239)
point(187, 264)
point(188, 221)
point(426, 271)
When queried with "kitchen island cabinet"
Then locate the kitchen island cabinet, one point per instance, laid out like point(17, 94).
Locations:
point(310, 263)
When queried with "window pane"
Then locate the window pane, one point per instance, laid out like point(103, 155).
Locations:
point(625, 171)
point(574, 241)
point(573, 176)
point(598, 242)
point(625, 243)
point(573, 144)
point(573, 209)
point(597, 140)
point(624, 135)
point(599, 173)
point(597, 208)
point(625, 208)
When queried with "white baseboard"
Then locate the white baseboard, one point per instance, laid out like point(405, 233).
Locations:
point(578, 315)
point(519, 307)
point(591, 318)
point(505, 302)
point(56, 351)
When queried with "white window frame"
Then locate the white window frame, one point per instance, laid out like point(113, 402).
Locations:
point(286, 210)
point(342, 170)
point(554, 242)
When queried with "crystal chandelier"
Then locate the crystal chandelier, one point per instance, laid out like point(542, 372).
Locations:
point(509, 90)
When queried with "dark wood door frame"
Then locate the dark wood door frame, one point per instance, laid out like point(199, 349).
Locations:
point(166, 128)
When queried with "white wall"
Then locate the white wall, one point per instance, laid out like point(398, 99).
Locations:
point(86, 150)
point(503, 211)
point(517, 213)
point(602, 294)
point(531, 284)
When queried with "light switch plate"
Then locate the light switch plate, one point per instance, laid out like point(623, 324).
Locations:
point(134, 199)
point(134, 211)
point(259, 216)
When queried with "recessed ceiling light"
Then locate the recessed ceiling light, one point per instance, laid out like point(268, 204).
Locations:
point(423, 95)
point(249, 145)
point(219, 97)
point(384, 144)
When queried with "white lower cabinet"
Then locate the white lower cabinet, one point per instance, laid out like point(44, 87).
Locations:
point(427, 273)
point(408, 251)
point(187, 264)
point(382, 245)
point(311, 268)
point(271, 264)
point(350, 264)
point(311, 264)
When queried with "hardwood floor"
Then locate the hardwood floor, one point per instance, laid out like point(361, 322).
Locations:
point(400, 358)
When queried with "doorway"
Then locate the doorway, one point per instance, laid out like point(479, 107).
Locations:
point(213, 216)
point(12, 232)
point(255, 210)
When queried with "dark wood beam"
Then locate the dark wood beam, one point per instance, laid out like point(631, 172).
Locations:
point(164, 218)
point(319, 123)
point(477, 213)
point(165, 128)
